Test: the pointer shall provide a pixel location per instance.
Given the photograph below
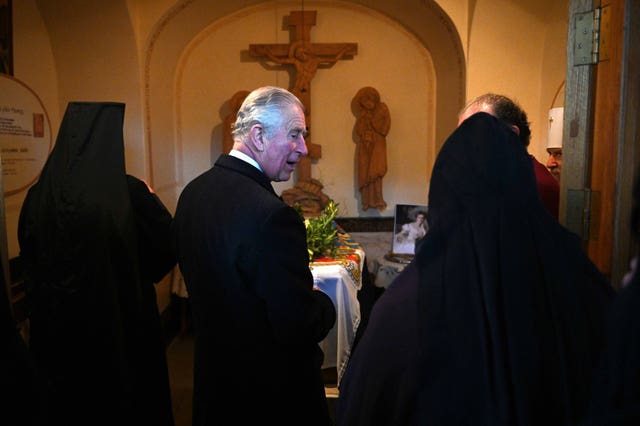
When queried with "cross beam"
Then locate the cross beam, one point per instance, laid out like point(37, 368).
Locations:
point(306, 58)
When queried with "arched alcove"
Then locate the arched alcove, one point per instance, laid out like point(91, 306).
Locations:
point(185, 22)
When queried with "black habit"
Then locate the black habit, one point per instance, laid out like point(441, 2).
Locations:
point(92, 243)
point(510, 309)
point(499, 318)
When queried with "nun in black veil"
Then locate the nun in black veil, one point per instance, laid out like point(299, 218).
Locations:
point(499, 318)
point(510, 309)
point(93, 241)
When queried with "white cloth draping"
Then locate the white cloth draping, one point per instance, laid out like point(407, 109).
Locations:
point(340, 279)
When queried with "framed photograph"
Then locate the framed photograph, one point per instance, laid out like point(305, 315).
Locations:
point(410, 226)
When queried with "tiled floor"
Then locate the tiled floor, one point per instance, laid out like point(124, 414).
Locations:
point(180, 360)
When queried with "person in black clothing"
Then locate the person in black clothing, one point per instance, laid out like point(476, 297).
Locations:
point(499, 318)
point(243, 254)
point(93, 241)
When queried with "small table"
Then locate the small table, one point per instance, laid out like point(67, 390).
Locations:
point(340, 277)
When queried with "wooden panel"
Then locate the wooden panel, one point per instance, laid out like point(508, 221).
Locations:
point(625, 246)
point(577, 116)
point(605, 136)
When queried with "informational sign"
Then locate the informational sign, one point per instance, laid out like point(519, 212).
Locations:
point(25, 135)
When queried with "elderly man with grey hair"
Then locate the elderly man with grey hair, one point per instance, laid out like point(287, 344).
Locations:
point(243, 254)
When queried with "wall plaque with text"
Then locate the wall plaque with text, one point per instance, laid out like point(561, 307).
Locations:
point(25, 135)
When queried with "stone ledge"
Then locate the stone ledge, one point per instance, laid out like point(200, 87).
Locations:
point(366, 224)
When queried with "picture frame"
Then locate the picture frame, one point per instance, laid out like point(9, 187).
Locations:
point(409, 227)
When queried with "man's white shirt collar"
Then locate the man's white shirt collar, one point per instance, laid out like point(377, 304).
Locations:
point(244, 157)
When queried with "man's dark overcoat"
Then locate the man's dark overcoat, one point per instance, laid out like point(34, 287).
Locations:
point(257, 320)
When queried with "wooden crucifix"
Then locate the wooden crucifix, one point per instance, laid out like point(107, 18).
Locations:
point(306, 58)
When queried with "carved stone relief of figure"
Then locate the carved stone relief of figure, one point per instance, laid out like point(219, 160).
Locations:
point(372, 126)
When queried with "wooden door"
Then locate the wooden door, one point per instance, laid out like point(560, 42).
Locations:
point(600, 135)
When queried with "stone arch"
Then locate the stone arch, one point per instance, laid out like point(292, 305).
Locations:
point(183, 22)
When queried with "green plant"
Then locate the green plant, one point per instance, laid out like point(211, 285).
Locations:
point(322, 232)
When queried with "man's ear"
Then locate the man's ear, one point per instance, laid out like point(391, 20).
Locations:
point(256, 136)
point(516, 129)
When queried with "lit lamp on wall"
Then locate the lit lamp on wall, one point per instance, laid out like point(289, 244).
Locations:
point(554, 141)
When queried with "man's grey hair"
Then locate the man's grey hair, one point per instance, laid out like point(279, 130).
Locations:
point(263, 106)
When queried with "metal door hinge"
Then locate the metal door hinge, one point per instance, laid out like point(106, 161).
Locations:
point(583, 213)
point(591, 37)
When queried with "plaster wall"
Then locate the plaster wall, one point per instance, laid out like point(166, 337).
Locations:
point(389, 59)
point(91, 50)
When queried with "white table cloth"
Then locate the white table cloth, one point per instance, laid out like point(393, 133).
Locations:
point(340, 278)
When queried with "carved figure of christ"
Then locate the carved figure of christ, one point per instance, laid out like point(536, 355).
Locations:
point(306, 58)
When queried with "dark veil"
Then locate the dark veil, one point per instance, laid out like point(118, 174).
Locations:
point(509, 308)
point(79, 250)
